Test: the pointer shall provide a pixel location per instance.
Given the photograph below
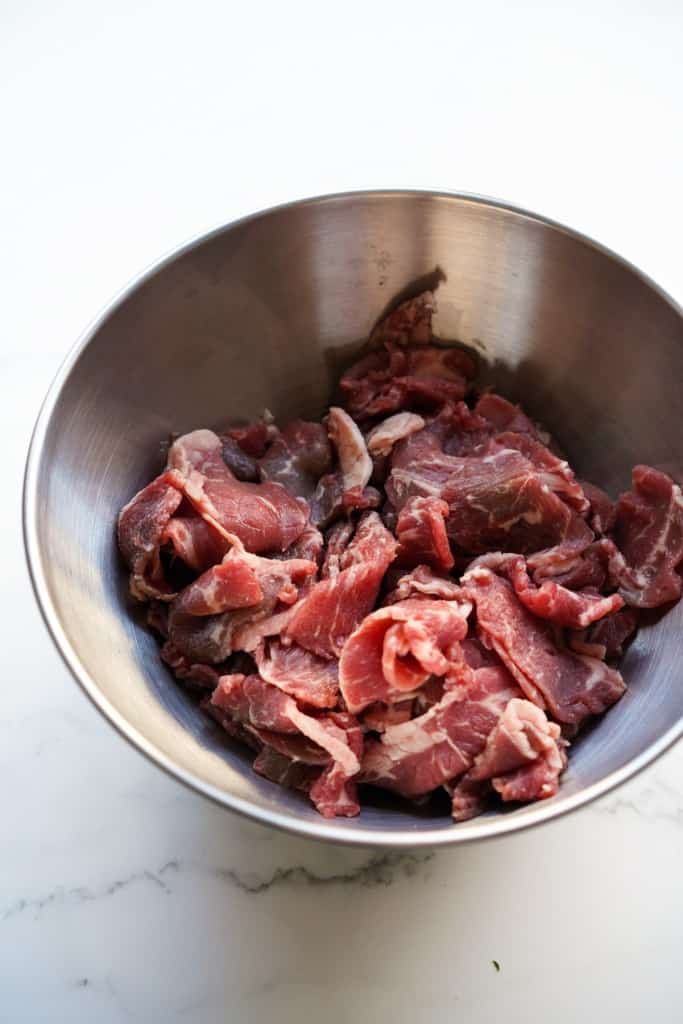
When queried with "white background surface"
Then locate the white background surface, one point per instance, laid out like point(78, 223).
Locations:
point(126, 128)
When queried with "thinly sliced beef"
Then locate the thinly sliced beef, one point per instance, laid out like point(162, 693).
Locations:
point(254, 438)
point(157, 618)
point(378, 717)
point(599, 566)
point(356, 464)
point(603, 511)
point(308, 546)
point(338, 538)
point(551, 601)
point(522, 736)
point(649, 533)
point(289, 772)
point(421, 533)
point(503, 416)
point(300, 673)
point(332, 500)
point(264, 516)
point(195, 542)
point(394, 379)
point(334, 792)
point(410, 323)
point(242, 465)
point(498, 500)
point(612, 632)
point(556, 473)
point(255, 704)
point(331, 610)
point(424, 582)
point(396, 649)
point(417, 756)
point(389, 432)
point(485, 596)
point(232, 584)
point(198, 675)
point(571, 686)
point(522, 760)
point(141, 526)
point(297, 458)
point(233, 623)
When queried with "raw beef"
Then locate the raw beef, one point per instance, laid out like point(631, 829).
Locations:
point(571, 686)
point(396, 649)
point(418, 756)
point(195, 542)
point(264, 516)
point(253, 704)
point(386, 434)
point(576, 609)
point(297, 458)
point(141, 526)
point(300, 673)
point(649, 533)
point(522, 739)
point(356, 464)
point(328, 614)
point(395, 379)
point(421, 533)
point(409, 323)
point(424, 582)
point(415, 593)
point(233, 605)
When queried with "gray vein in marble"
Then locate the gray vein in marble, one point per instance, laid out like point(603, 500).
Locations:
point(382, 869)
point(655, 801)
point(379, 870)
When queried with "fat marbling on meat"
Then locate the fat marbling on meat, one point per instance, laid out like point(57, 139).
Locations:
point(415, 592)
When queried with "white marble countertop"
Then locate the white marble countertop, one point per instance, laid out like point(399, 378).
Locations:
point(125, 130)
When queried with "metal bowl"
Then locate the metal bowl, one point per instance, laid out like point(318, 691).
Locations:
point(261, 313)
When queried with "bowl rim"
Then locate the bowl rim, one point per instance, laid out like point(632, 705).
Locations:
point(323, 830)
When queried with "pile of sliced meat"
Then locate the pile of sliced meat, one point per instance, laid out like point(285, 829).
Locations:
point(416, 594)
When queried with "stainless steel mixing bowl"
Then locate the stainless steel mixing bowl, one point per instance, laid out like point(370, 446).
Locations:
point(261, 313)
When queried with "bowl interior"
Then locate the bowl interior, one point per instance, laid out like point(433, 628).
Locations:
point(262, 314)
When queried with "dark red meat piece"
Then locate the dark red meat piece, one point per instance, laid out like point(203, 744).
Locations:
point(556, 473)
point(649, 533)
point(569, 685)
point(503, 415)
point(409, 323)
point(238, 622)
point(243, 466)
point(498, 500)
point(421, 533)
point(551, 601)
point(141, 526)
point(264, 516)
point(298, 456)
point(286, 771)
point(312, 680)
point(603, 511)
point(195, 542)
point(396, 649)
point(256, 705)
point(417, 756)
point(613, 631)
point(394, 379)
point(331, 610)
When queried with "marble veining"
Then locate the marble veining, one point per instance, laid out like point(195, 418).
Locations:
point(379, 870)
